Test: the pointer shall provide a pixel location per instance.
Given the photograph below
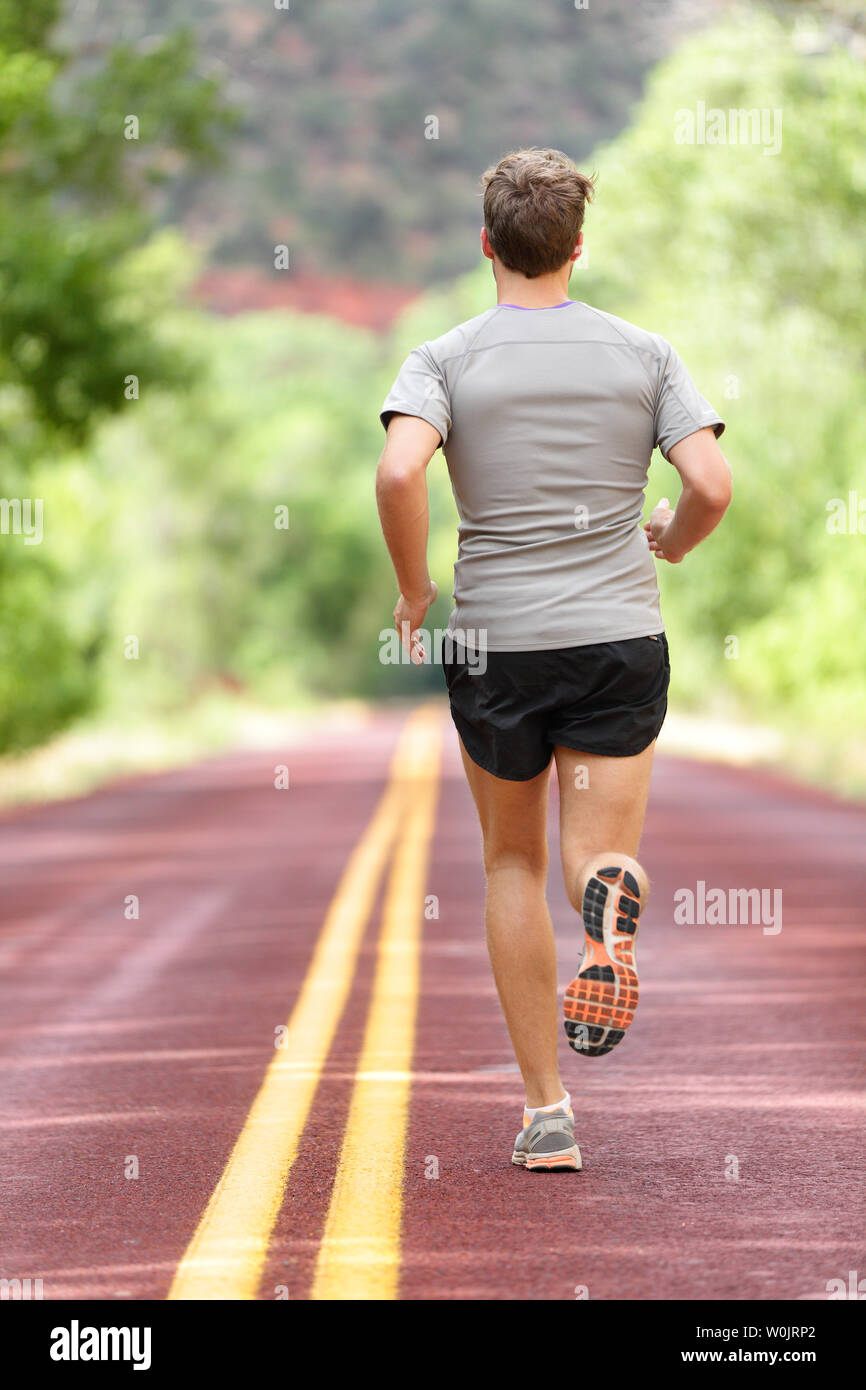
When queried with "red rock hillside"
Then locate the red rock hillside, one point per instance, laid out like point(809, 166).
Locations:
point(367, 304)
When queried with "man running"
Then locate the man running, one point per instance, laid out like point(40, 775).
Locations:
point(548, 411)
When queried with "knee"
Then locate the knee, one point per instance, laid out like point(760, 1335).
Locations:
point(529, 858)
point(601, 860)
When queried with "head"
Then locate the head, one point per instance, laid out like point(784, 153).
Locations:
point(534, 204)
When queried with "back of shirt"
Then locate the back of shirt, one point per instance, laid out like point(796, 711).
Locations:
point(548, 419)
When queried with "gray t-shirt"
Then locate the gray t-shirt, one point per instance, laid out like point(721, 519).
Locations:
point(548, 419)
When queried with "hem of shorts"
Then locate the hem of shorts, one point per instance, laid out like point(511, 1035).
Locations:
point(559, 644)
point(597, 751)
point(601, 752)
point(498, 775)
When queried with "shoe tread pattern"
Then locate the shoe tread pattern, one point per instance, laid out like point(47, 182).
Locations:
point(600, 1002)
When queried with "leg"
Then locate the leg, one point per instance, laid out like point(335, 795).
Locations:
point(513, 818)
point(602, 803)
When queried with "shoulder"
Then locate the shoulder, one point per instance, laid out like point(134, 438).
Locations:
point(615, 329)
point(459, 340)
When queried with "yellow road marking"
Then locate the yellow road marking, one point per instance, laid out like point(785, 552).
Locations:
point(359, 1257)
point(226, 1255)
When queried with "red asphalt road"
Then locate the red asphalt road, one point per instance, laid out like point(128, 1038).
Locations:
point(150, 1038)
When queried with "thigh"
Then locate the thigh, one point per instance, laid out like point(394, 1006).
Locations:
point(602, 803)
point(513, 815)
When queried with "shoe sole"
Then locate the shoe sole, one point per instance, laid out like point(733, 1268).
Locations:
point(599, 1003)
point(568, 1160)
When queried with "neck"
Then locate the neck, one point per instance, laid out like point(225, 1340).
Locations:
point(545, 292)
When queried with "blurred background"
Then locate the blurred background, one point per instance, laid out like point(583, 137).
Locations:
point(223, 225)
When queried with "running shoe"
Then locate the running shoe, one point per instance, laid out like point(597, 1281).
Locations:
point(600, 1002)
point(547, 1143)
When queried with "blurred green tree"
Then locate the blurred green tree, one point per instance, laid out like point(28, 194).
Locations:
point(77, 155)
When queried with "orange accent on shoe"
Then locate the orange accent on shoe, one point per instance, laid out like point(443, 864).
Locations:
point(601, 1009)
point(553, 1161)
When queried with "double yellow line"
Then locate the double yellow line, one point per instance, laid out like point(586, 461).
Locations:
point(360, 1250)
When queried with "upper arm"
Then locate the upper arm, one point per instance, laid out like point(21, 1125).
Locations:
point(410, 444)
point(702, 466)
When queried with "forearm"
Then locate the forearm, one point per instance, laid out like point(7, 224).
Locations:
point(404, 515)
point(696, 515)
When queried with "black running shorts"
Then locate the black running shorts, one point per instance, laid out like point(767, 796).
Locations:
point(608, 698)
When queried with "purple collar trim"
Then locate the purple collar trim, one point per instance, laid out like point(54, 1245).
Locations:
point(528, 310)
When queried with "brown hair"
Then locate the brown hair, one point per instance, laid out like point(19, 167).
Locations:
point(534, 203)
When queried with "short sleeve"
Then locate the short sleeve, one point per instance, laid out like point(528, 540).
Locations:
point(420, 389)
point(680, 409)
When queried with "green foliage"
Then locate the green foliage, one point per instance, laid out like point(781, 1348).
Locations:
point(55, 604)
point(72, 207)
point(78, 315)
point(46, 675)
point(214, 589)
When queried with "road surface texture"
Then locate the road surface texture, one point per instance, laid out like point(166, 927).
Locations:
point(251, 1047)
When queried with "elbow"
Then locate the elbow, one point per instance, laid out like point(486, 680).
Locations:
point(718, 499)
point(393, 478)
point(717, 492)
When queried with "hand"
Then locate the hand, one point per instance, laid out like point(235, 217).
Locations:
point(655, 529)
point(409, 614)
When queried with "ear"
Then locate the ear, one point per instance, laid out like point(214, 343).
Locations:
point(486, 248)
point(578, 247)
